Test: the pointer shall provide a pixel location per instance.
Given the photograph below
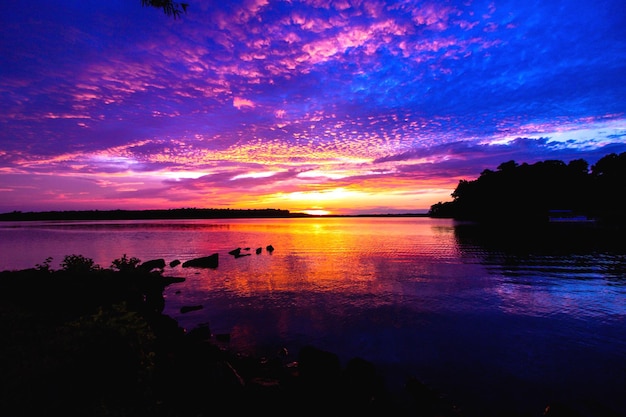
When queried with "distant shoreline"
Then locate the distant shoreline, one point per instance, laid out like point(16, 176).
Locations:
point(178, 214)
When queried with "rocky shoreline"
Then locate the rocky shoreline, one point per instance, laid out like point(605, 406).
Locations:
point(88, 341)
point(91, 341)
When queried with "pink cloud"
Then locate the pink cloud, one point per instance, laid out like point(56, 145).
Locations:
point(433, 15)
point(240, 103)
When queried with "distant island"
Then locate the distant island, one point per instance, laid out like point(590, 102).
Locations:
point(181, 213)
point(542, 192)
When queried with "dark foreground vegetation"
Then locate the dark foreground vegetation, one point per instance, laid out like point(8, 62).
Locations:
point(90, 341)
point(532, 193)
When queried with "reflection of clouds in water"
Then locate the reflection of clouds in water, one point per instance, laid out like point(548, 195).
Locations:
point(582, 296)
point(550, 277)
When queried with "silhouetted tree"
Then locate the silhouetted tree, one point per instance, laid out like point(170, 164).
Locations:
point(609, 186)
point(170, 8)
point(579, 166)
point(507, 166)
point(611, 165)
point(578, 186)
point(527, 193)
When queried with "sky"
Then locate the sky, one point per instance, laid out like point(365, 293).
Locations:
point(317, 106)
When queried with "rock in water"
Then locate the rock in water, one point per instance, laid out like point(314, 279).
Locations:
point(210, 261)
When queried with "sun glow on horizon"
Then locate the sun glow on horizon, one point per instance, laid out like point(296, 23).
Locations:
point(317, 212)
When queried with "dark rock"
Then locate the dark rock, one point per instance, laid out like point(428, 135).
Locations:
point(200, 333)
point(187, 309)
point(167, 331)
point(172, 280)
point(235, 252)
point(222, 337)
point(258, 250)
point(174, 263)
point(152, 264)
point(210, 261)
point(428, 402)
point(362, 382)
point(269, 248)
point(318, 367)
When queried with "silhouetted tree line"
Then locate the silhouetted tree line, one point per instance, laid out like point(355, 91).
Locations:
point(530, 192)
point(182, 213)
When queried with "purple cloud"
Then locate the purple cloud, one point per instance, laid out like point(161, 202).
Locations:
point(256, 102)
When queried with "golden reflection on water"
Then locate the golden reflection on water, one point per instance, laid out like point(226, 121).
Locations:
point(330, 254)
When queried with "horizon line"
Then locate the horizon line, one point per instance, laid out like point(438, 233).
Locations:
point(269, 213)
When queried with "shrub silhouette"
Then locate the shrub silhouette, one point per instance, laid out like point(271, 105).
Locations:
point(77, 264)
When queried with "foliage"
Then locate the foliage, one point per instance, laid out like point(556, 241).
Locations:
point(128, 326)
point(44, 266)
point(528, 193)
point(78, 264)
point(66, 338)
point(170, 8)
point(125, 264)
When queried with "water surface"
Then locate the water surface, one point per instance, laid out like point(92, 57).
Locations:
point(496, 325)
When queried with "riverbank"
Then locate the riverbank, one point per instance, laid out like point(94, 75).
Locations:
point(91, 341)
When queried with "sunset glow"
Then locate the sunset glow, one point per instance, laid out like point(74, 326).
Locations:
point(322, 107)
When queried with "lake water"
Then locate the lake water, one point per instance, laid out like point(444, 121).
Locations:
point(495, 325)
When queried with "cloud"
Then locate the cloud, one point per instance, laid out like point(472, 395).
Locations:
point(390, 98)
point(240, 103)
